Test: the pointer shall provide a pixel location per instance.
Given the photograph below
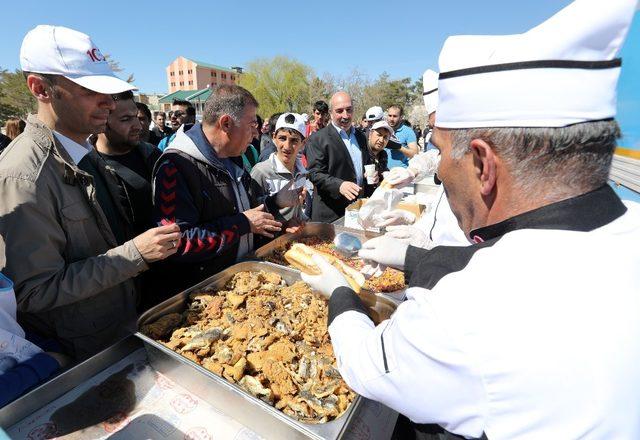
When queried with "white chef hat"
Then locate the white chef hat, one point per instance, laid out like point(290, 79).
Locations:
point(430, 94)
point(562, 72)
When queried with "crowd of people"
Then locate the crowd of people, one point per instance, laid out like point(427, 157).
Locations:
point(108, 209)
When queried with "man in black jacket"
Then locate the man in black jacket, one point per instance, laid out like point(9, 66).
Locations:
point(336, 156)
point(130, 158)
point(201, 184)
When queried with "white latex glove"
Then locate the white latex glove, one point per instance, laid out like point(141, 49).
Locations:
point(329, 279)
point(288, 196)
point(424, 164)
point(385, 250)
point(409, 234)
point(395, 217)
point(373, 270)
point(399, 176)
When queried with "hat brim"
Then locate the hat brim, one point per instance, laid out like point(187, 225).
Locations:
point(106, 84)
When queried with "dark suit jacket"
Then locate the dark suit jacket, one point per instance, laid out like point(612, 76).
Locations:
point(329, 164)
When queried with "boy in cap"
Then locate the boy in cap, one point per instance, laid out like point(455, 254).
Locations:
point(73, 273)
point(284, 167)
point(497, 339)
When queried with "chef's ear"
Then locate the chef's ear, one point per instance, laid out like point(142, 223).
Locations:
point(485, 163)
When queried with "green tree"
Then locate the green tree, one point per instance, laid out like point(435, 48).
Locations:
point(386, 92)
point(15, 97)
point(279, 84)
point(115, 66)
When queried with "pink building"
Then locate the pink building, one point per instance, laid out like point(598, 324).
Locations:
point(186, 74)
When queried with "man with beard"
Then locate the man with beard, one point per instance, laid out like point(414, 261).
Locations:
point(132, 159)
point(336, 156)
point(407, 146)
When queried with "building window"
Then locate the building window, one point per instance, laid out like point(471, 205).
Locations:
point(214, 74)
point(173, 84)
point(179, 72)
point(233, 78)
point(181, 83)
point(172, 73)
point(224, 76)
point(190, 83)
point(189, 71)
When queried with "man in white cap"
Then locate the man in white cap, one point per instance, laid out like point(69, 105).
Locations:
point(532, 331)
point(379, 135)
point(73, 273)
point(284, 167)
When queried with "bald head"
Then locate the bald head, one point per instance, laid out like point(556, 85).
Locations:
point(341, 110)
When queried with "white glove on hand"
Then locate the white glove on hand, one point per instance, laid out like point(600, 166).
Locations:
point(395, 217)
point(329, 279)
point(385, 250)
point(424, 164)
point(288, 196)
point(409, 234)
point(399, 177)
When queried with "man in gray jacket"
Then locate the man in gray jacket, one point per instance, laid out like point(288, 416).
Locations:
point(72, 274)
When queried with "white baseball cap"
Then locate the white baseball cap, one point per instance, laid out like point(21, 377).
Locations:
point(58, 50)
point(293, 121)
point(374, 114)
point(384, 124)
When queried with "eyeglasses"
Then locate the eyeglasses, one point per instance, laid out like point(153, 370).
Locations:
point(178, 114)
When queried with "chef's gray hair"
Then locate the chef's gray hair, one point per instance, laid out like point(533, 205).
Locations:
point(565, 160)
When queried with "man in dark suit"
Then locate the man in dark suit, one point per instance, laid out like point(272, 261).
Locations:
point(336, 158)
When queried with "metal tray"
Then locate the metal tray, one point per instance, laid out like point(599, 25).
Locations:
point(230, 398)
point(324, 231)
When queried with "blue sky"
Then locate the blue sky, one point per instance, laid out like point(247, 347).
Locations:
point(402, 38)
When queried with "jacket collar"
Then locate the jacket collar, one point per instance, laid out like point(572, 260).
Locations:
point(44, 138)
point(583, 213)
point(194, 143)
point(279, 167)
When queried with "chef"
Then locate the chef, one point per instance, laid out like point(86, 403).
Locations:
point(531, 332)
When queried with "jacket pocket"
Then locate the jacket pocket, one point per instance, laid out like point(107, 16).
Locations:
point(80, 228)
point(76, 212)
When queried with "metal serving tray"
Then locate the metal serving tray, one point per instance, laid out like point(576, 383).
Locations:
point(324, 231)
point(231, 398)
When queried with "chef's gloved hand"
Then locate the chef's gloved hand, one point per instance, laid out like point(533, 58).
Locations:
point(409, 234)
point(424, 164)
point(395, 217)
point(399, 177)
point(385, 250)
point(288, 196)
point(329, 279)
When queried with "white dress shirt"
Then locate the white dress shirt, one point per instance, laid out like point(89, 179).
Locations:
point(353, 148)
point(76, 151)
